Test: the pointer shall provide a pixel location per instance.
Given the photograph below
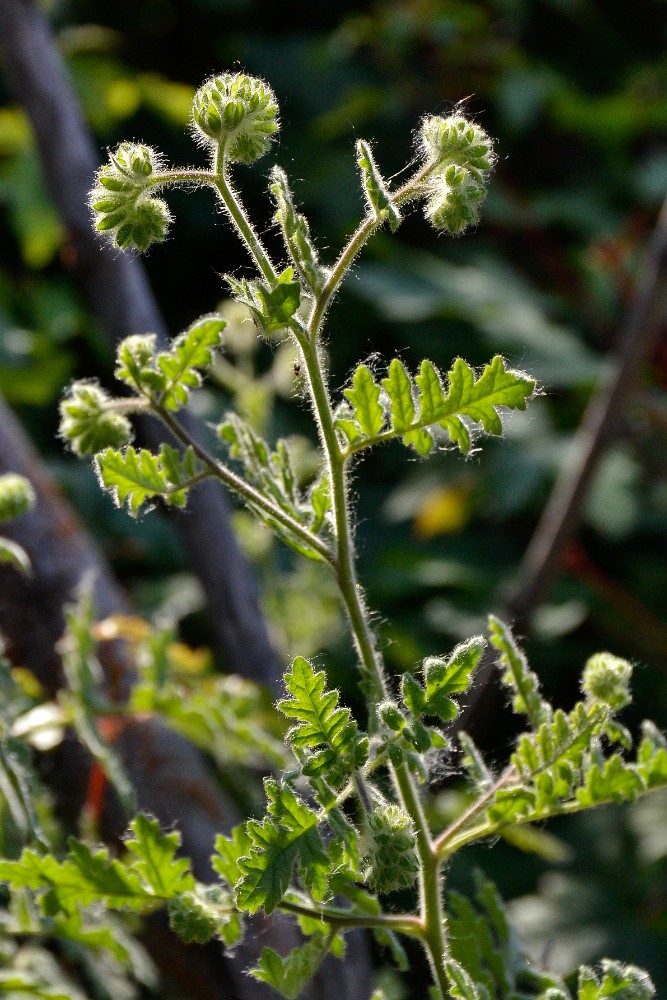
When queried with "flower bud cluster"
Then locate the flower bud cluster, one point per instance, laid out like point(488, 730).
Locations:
point(391, 850)
point(239, 113)
point(121, 203)
point(88, 421)
point(17, 496)
point(461, 155)
point(607, 679)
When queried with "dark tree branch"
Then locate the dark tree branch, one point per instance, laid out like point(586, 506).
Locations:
point(562, 515)
point(121, 299)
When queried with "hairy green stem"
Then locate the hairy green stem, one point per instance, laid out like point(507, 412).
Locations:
point(237, 214)
point(404, 923)
point(431, 919)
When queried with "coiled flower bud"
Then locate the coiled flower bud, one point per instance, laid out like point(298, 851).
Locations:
point(461, 155)
point(121, 203)
point(88, 422)
point(237, 112)
point(17, 496)
point(390, 850)
point(607, 679)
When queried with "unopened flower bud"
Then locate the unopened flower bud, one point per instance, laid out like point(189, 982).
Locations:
point(238, 112)
point(17, 496)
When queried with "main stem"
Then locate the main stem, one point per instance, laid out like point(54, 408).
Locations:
point(376, 689)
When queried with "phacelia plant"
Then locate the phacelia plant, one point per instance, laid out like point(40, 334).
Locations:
point(344, 841)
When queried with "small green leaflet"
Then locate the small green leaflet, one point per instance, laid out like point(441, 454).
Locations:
point(518, 677)
point(88, 876)
point(190, 351)
point(288, 835)
point(375, 190)
point(322, 725)
point(156, 860)
point(364, 396)
point(272, 308)
point(136, 476)
point(442, 678)
point(623, 982)
point(289, 975)
point(228, 851)
point(463, 987)
point(408, 408)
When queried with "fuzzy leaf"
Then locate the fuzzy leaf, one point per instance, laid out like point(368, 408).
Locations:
point(322, 725)
point(364, 397)
point(156, 858)
point(84, 878)
point(467, 400)
point(399, 389)
point(191, 350)
point(452, 676)
point(376, 192)
point(616, 781)
point(228, 851)
point(289, 975)
point(518, 676)
point(288, 835)
point(623, 982)
point(136, 477)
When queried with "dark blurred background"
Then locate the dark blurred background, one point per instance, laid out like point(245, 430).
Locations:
point(575, 93)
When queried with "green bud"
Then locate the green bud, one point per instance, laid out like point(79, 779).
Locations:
point(461, 155)
point(607, 679)
point(390, 716)
point(454, 204)
point(390, 850)
point(120, 201)
point(193, 918)
point(237, 112)
point(88, 422)
point(17, 496)
point(456, 140)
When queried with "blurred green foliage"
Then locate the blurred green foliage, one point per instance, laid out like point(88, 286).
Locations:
point(576, 93)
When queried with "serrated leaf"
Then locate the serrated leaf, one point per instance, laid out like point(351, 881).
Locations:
point(467, 400)
point(399, 390)
point(364, 397)
point(156, 861)
point(518, 676)
point(135, 477)
point(322, 725)
point(288, 835)
point(290, 974)
point(444, 678)
point(191, 350)
point(616, 781)
point(228, 851)
point(431, 394)
point(84, 878)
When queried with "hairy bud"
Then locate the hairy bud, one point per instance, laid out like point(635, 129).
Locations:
point(237, 112)
point(88, 422)
point(121, 203)
point(607, 679)
point(17, 496)
point(390, 850)
point(461, 155)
